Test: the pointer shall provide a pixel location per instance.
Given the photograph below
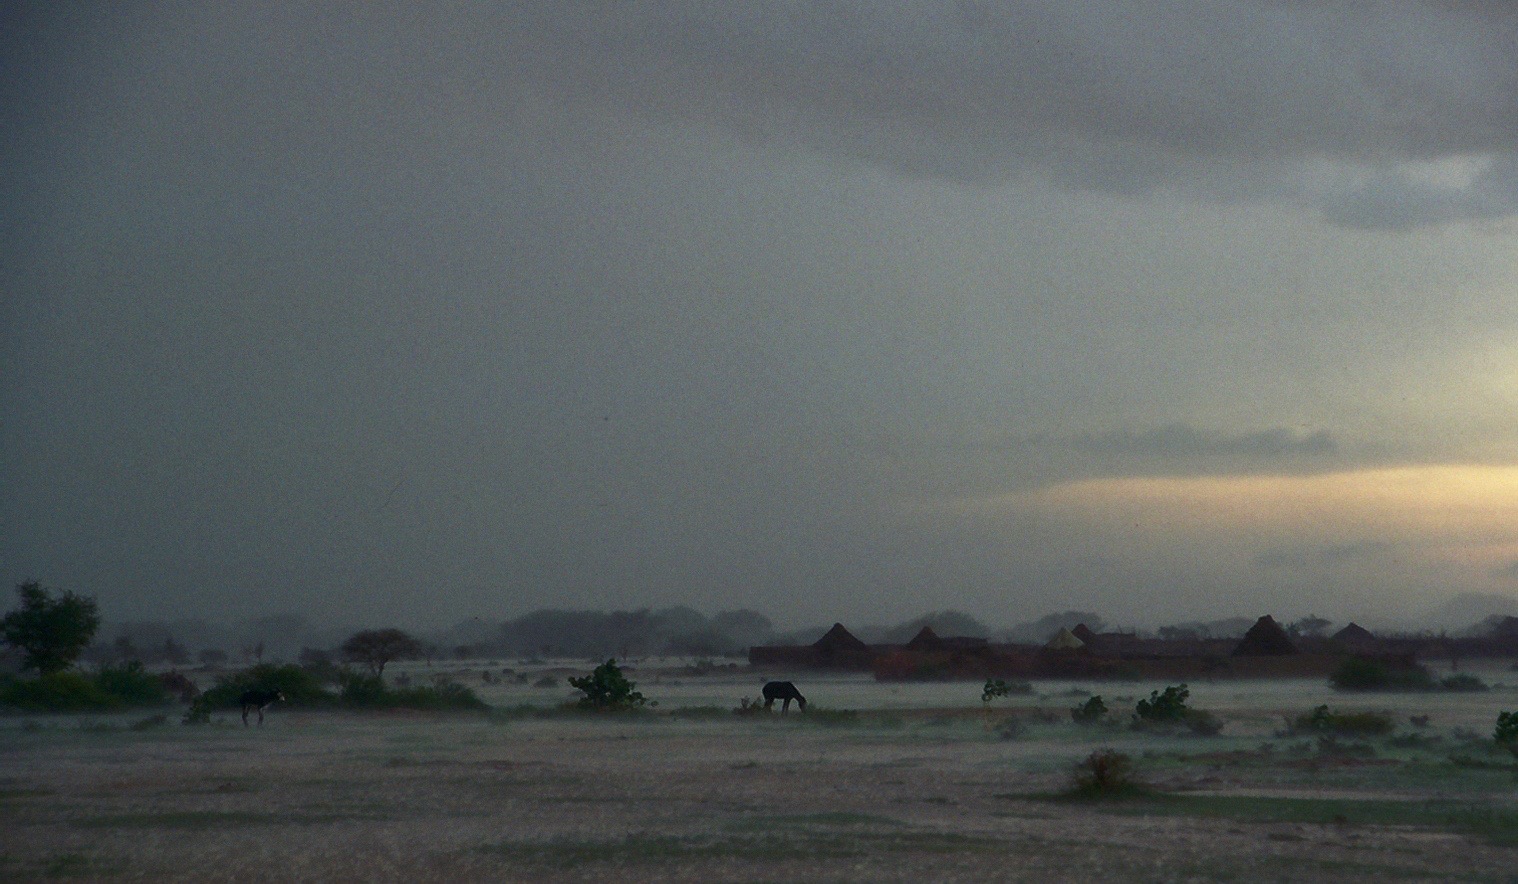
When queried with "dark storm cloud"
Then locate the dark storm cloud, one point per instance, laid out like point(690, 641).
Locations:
point(425, 310)
point(1338, 106)
point(1181, 442)
point(1319, 557)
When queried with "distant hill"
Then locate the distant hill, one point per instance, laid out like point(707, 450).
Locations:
point(1468, 609)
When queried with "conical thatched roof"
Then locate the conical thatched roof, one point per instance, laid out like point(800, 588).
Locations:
point(1082, 632)
point(1355, 635)
point(925, 640)
point(1065, 640)
point(839, 639)
point(1265, 638)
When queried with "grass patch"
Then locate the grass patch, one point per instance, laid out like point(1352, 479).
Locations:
point(831, 717)
point(200, 820)
point(806, 820)
point(1496, 825)
point(650, 849)
point(62, 865)
point(701, 713)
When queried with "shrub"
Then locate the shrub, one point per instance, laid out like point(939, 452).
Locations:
point(607, 689)
point(1360, 674)
point(1012, 729)
point(1506, 733)
point(1202, 723)
point(995, 687)
point(1105, 773)
point(1464, 682)
point(369, 692)
point(131, 684)
point(752, 707)
point(1162, 708)
point(1089, 712)
point(57, 692)
point(1323, 720)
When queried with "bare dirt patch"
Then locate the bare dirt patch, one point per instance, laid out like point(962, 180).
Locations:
point(339, 797)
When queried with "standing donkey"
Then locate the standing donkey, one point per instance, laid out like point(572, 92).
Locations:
point(257, 699)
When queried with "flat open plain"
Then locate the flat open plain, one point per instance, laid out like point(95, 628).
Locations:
point(900, 791)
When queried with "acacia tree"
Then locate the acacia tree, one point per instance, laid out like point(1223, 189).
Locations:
point(50, 631)
point(376, 647)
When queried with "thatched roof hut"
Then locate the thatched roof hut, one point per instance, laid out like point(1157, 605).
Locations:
point(1265, 638)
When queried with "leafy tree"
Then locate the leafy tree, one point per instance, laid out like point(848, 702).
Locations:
point(50, 631)
point(1089, 712)
point(1169, 706)
point(607, 688)
point(376, 647)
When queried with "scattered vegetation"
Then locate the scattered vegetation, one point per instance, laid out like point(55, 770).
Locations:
point(1506, 734)
point(1464, 681)
point(1090, 712)
point(1169, 706)
point(109, 689)
point(1360, 674)
point(1496, 825)
point(1168, 709)
point(607, 689)
point(361, 691)
point(996, 687)
point(755, 706)
point(1106, 773)
point(1322, 720)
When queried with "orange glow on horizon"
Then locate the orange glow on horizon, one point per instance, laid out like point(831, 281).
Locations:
point(1427, 500)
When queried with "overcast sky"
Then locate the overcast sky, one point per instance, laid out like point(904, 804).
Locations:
point(400, 314)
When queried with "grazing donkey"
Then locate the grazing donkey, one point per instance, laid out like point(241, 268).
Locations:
point(782, 690)
point(257, 699)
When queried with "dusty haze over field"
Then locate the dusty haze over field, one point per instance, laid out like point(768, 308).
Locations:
point(410, 312)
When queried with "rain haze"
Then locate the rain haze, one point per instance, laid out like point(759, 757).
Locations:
point(408, 313)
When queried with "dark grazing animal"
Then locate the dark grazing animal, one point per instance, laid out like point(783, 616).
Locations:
point(782, 690)
point(257, 699)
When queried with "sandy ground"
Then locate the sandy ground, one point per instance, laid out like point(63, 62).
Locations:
point(325, 796)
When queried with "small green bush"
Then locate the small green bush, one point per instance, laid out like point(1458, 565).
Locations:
point(364, 691)
point(1106, 773)
point(607, 689)
point(57, 692)
point(1202, 723)
point(1506, 733)
point(1464, 682)
point(1360, 674)
point(1162, 708)
point(1089, 712)
point(110, 689)
point(1323, 720)
point(132, 684)
point(996, 687)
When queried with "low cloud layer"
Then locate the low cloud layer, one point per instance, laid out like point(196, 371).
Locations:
point(1344, 108)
